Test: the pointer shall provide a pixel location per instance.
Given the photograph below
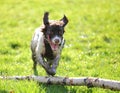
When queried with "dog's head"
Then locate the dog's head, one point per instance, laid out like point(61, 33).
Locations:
point(54, 30)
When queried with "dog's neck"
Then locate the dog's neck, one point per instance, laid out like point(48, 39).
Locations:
point(48, 51)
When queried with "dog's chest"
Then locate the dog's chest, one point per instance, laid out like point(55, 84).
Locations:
point(48, 51)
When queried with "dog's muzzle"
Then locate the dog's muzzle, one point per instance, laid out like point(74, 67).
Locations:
point(54, 42)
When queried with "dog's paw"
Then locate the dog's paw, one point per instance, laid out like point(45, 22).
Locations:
point(51, 71)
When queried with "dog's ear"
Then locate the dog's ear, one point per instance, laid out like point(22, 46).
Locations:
point(45, 19)
point(64, 20)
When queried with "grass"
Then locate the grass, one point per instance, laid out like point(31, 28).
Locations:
point(92, 42)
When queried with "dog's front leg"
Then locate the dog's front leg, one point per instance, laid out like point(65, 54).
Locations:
point(52, 69)
point(40, 60)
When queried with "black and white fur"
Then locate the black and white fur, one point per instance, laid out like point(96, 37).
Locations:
point(47, 44)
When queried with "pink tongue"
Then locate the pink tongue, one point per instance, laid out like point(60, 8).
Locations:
point(54, 46)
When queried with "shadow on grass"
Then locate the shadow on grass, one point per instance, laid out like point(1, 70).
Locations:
point(35, 72)
point(3, 91)
point(63, 89)
point(54, 88)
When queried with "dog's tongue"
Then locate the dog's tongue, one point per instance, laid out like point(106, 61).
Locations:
point(54, 46)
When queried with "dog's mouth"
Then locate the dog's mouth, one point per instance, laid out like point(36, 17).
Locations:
point(54, 46)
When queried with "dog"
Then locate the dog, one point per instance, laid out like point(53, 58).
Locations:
point(47, 44)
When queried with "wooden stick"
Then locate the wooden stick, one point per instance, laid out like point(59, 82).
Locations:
point(71, 81)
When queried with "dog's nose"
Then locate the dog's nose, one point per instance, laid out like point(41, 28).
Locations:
point(57, 41)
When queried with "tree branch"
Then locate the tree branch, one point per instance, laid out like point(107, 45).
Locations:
point(71, 81)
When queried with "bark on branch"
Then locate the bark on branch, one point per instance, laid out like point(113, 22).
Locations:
point(71, 81)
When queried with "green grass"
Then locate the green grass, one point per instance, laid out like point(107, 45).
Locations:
point(92, 42)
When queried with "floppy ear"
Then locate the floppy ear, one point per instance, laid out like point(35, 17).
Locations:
point(64, 20)
point(45, 18)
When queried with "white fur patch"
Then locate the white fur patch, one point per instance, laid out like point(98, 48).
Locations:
point(38, 41)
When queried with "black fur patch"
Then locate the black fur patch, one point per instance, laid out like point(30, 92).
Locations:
point(48, 51)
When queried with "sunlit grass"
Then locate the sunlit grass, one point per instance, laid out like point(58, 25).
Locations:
point(92, 42)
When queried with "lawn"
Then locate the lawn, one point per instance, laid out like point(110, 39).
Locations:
point(92, 42)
